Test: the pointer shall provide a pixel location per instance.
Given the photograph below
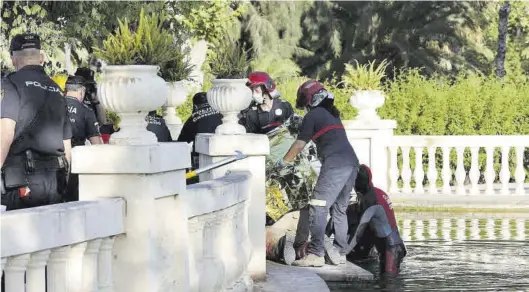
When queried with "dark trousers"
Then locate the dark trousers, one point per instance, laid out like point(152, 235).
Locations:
point(332, 192)
point(72, 191)
point(45, 189)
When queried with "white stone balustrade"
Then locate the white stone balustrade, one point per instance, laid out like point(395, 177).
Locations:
point(64, 239)
point(212, 148)
point(462, 229)
point(220, 246)
point(478, 178)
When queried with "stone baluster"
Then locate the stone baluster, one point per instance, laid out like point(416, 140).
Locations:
point(490, 175)
point(419, 230)
point(432, 228)
point(519, 174)
point(474, 229)
point(35, 276)
point(489, 229)
point(406, 230)
point(446, 171)
point(406, 170)
point(104, 263)
point(505, 174)
point(90, 266)
point(75, 266)
point(14, 273)
point(4, 261)
point(460, 171)
point(461, 228)
point(432, 171)
point(447, 229)
point(520, 229)
point(393, 170)
point(505, 229)
point(212, 257)
point(474, 171)
point(418, 173)
point(57, 267)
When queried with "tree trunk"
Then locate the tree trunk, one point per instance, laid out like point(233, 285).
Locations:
point(502, 39)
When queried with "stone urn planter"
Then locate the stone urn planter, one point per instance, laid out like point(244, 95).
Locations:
point(367, 102)
point(132, 91)
point(229, 97)
point(177, 96)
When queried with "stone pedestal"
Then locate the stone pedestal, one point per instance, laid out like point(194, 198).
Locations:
point(370, 140)
point(153, 254)
point(212, 148)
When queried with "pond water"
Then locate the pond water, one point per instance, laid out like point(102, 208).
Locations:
point(458, 253)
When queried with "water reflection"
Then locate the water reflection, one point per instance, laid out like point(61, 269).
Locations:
point(458, 254)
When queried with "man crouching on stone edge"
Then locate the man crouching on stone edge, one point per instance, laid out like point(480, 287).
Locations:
point(372, 223)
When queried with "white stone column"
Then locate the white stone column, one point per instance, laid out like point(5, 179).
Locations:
point(35, 276)
point(57, 267)
point(14, 273)
point(177, 96)
point(75, 266)
point(212, 148)
point(104, 265)
point(370, 140)
point(152, 255)
point(90, 264)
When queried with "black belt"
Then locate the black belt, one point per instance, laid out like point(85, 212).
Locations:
point(50, 162)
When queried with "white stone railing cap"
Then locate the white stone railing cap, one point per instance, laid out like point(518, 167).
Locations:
point(218, 194)
point(34, 229)
point(124, 159)
point(222, 145)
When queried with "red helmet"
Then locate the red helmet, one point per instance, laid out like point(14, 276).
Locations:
point(262, 78)
point(305, 93)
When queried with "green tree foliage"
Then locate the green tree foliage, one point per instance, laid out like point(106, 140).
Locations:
point(206, 19)
point(273, 30)
point(433, 35)
point(22, 17)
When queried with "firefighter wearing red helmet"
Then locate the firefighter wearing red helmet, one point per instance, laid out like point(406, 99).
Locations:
point(267, 111)
point(336, 180)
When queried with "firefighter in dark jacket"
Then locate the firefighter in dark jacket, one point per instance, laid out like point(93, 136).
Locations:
point(156, 124)
point(35, 131)
point(267, 111)
point(203, 119)
point(84, 126)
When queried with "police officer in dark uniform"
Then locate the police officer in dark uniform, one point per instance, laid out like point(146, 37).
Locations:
point(204, 119)
point(91, 99)
point(267, 111)
point(35, 131)
point(84, 123)
point(84, 126)
point(157, 125)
